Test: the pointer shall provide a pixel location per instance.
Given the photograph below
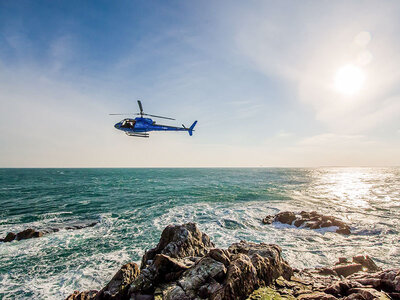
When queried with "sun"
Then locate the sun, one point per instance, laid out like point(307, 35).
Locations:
point(349, 80)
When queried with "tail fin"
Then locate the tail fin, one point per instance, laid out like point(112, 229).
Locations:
point(191, 128)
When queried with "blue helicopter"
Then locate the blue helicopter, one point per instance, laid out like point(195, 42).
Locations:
point(139, 126)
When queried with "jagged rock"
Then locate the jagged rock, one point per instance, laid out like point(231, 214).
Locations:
point(311, 220)
point(272, 253)
point(241, 279)
point(180, 241)
point(162, 269)
point(220, 255)
point(87, 295)
point(119, 285)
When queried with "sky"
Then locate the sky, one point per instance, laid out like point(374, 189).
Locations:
point(271, 83)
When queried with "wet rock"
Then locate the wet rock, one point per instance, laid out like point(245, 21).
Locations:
point(311, 220)
point(9, 237)
point(286, 217)
point(32, 233)
point(268, 219)
point(80, 226)
point(119, 285)
point(28, 234)
point(180, 241)
point(87, 295)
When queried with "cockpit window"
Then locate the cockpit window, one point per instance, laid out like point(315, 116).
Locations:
point(128, 124)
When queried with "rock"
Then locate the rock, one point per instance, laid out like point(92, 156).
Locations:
point(119, 285)
point(80, 226)
point(9, 237)
point(342, 260)
point(311, 220)
point(317, 296)
point(87, 295)
point(270, 252)
point(366, 262)
point(345, 231)
point(179, 241)
point(366, 294)
point(268, 219)
point(32, 233)
point(241, 280)
point(285, 217)
point(220, 255)
point(387, 280)
point(346, 270)
point(28, 234)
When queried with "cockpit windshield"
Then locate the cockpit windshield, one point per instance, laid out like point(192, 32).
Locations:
point(128, 123)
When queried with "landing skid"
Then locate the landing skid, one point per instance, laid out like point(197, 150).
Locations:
point(138, 134)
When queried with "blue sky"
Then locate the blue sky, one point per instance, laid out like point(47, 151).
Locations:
point(259, 76)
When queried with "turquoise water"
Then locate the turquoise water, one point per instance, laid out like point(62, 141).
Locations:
point(132, 207)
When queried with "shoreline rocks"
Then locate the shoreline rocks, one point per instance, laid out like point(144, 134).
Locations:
point(186, 265)
point(310, 220)
point(30, 233)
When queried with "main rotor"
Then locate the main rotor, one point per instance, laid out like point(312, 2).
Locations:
point(141, 113)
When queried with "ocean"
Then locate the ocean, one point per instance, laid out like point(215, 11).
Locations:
point(132, 207)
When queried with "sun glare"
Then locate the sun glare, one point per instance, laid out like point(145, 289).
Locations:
point(349, 79)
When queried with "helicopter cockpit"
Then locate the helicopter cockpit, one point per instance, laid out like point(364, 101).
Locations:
point(128, 123)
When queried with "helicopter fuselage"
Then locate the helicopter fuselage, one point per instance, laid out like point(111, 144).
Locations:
point(143, 125)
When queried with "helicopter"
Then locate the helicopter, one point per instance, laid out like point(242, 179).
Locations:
point(140, 126)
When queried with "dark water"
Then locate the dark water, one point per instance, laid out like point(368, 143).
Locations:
point(132, 207)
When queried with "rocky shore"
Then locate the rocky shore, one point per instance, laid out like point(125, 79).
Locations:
point(185, 264)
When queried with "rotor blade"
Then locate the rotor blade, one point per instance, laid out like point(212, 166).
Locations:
point(121, 114)
point(140, 106)
point(158, 117)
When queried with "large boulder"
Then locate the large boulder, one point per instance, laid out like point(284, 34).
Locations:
point(179, 241)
